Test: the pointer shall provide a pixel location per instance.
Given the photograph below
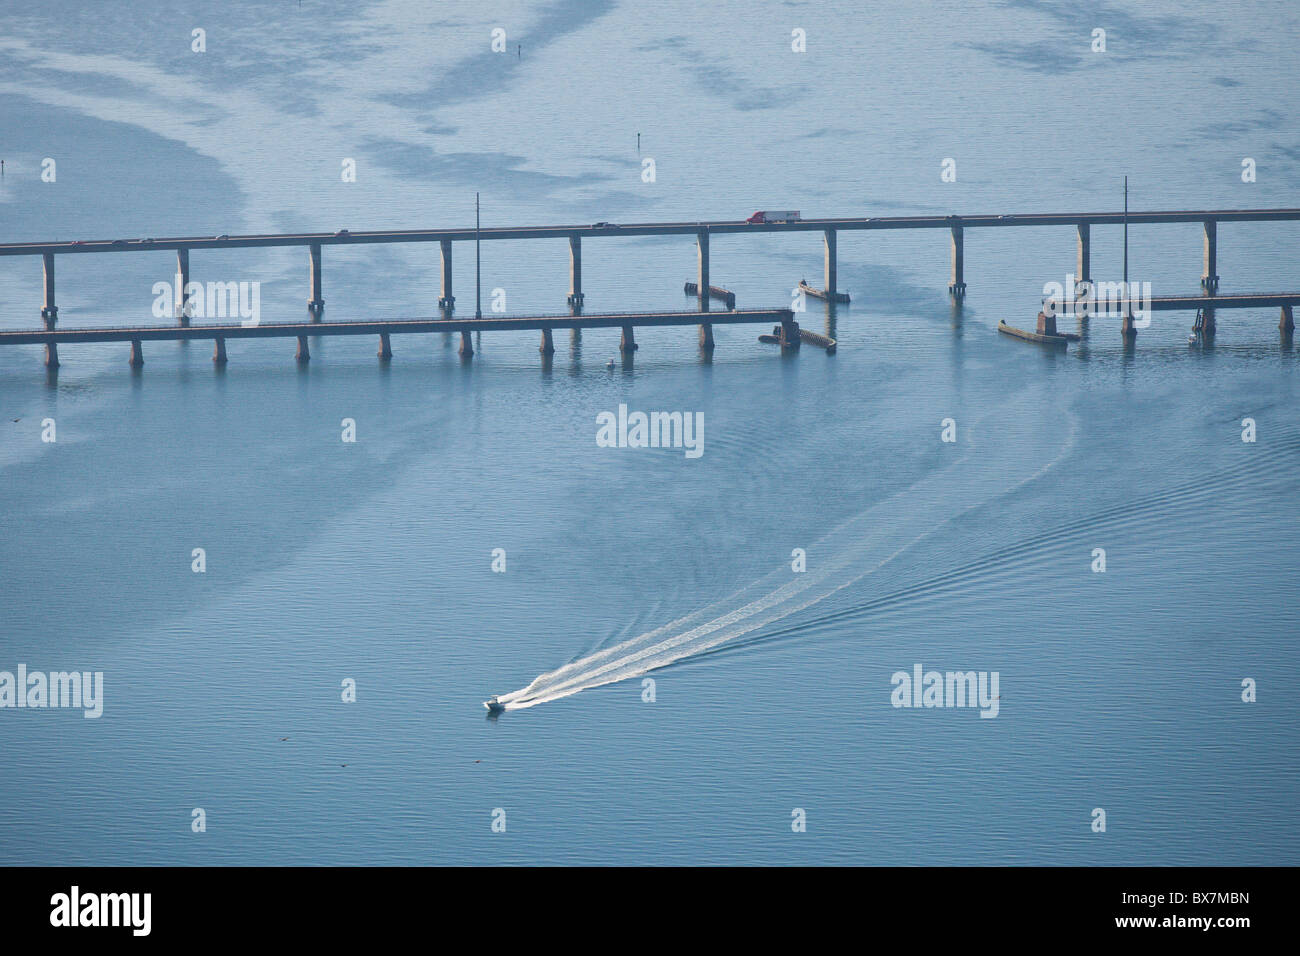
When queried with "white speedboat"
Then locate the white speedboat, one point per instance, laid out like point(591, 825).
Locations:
point(494, 706)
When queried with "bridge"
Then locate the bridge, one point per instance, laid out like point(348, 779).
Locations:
point(315, 242)
point(1205, 307)
point(386, 328)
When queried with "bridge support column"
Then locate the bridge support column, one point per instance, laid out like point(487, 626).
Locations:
point(466, 344)
point(137, 355)
point(831, 265)
point(575, 270)
point(548, 343)
point(1126, 328)
point(315, 304)
point(1083, 266)
point(575, 333)
point(1208, 326)
point(957, 287)
point(182, 280)
point(790, 335)
point(702, 271)
point(1286, 322)
point(1210, 279)
point(446, 301)
point(628, 342)
point(702, 287)
point(385, 347)
point(50, 311)
point(219, 350)
point(304, 353)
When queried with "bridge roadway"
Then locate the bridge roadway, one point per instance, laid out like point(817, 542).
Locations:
point(591, 231)
point(154, 333)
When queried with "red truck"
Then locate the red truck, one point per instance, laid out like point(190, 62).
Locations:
point(774, 215)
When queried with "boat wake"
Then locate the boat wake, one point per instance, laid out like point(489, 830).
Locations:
point(863, 545)
point(860, 546)
point(1145, 515)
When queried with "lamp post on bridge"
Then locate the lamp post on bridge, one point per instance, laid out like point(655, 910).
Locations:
point(466, 340)
point(1126, 323)
point(478, 273)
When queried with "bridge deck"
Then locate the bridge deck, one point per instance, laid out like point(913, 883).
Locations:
point(647, 229)
point(1188, 303)
point(148, 333)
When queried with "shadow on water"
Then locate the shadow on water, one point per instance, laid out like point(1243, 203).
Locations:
point(488, 73)
point(956, 312)
point(575, 353)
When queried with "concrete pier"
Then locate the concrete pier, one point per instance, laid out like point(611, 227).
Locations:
point(315, 304)
point(50, 311)
point(628, 342)
point(548, 342)
point(790, 338)
point(1083, 265)
point(1210, 277)
point(1127, 329)
point(1046, 324)
point(832, 268)
point(304, 353)
point(385, 346)
point(466, 344)
point(957, 287)
point(702, 288)
point(575, 270)
point(446, 301)
point(702, 273)
point(219, 350)
point(575, 333)
point(1205, 323)
point(1286, 322)
point(182, 280)
point(137, 355)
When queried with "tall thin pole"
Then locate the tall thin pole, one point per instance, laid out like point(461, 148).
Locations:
point(478, 272)
point(1126, 297)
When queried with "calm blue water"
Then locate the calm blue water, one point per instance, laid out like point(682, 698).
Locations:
point(371, 560)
